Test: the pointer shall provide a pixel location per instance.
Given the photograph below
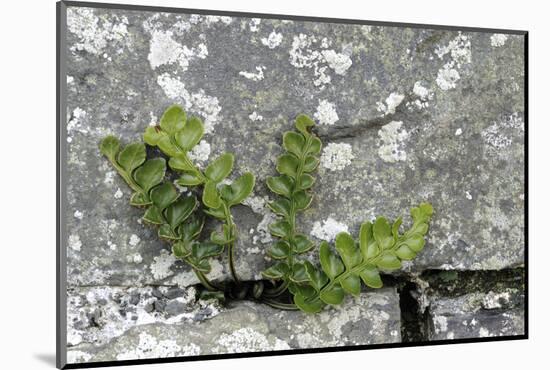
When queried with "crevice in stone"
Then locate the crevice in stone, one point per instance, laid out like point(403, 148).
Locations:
point(414, 320)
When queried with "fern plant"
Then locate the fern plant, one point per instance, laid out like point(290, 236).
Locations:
point(293, 188)
point(380, 245)
point(175, 216)
point(176, 136)
point(296, 282)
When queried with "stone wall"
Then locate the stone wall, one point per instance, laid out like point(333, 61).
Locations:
point(405, 114)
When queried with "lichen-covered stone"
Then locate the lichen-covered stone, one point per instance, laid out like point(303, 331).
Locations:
point(376, 90)
point(406, 115)
point(477, 315)
point(373, 317)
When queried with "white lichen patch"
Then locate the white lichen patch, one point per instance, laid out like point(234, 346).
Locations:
point(458, 132)
point(392, 142)
point(391, 103)
point(498, 40)
point(118, 194)
point(254, 116)
point(254, 24)
point(257, 76)
point(447, 77)
point(134, 240)
point(499, 134)
point(164, 50)
point(258, 206)
point(204, 105)
point(247, 340)
point(160, 268)
point(458, 52)
point(76, 123)
point(303, 54)
point(200, 153)
point(326, 113)
point(74, 242)
point(273, 40)
point(340, 63)
point(440, 324)
point(423, 96)
point(134, 258)
point(336, 156)
point(328, 229)
point(149, 347)
point(78, 214)
point(495, 300)
point(95, 34)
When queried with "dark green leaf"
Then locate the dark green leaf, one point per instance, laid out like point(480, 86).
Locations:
point(139, 200)
point(220, 168)
point(331, 264)
point(166, 232)
point(210, 196)
point(132, 156)
point(205, 250)
point(315, 146)
point(306, 181)
point(317, 278)
point(164, 195)
point(280, 250)
point(218, 213)
point(190, 135)
point(351, 284)
point(415, 242)
point(277, 271)
point(181, 249)
point(281, 185)
point(240, 189)
point(332, 294)
point(303, 123)
point(201, 265)
point(180, 162)
point(371, 277)
point(109, 147)
point(189, 179)
point(152, 135)
point(310, 163)
point(395, 228)
point(173, 119)
point(302, 199)
point(405, 253)
point(151, 173)
point(167, 146)
point(280, 228)
point(299, 274)
point(192, 227)
point(153, 216)
point(180, 210)
point(382, 233)
point(280, 206)
point(219, 238)
point(302, 244)
point(346, 247)
point(311, 305)
point(287, 164)
point(294, 142)
point(388, 261)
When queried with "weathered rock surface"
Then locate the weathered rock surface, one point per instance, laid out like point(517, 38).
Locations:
point(206, 328)
point(405, 115)
point(407, 132)
point(477, 315)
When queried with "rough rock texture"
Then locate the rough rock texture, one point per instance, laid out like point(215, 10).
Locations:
point(406, 115)
point(203, 328)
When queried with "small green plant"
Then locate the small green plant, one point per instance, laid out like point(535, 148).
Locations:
point(296, 283)
point(380, 245)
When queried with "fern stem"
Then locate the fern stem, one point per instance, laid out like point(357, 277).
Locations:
point(275, 292)
point(280, 305)
point(205, 282)
point(231, 245)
